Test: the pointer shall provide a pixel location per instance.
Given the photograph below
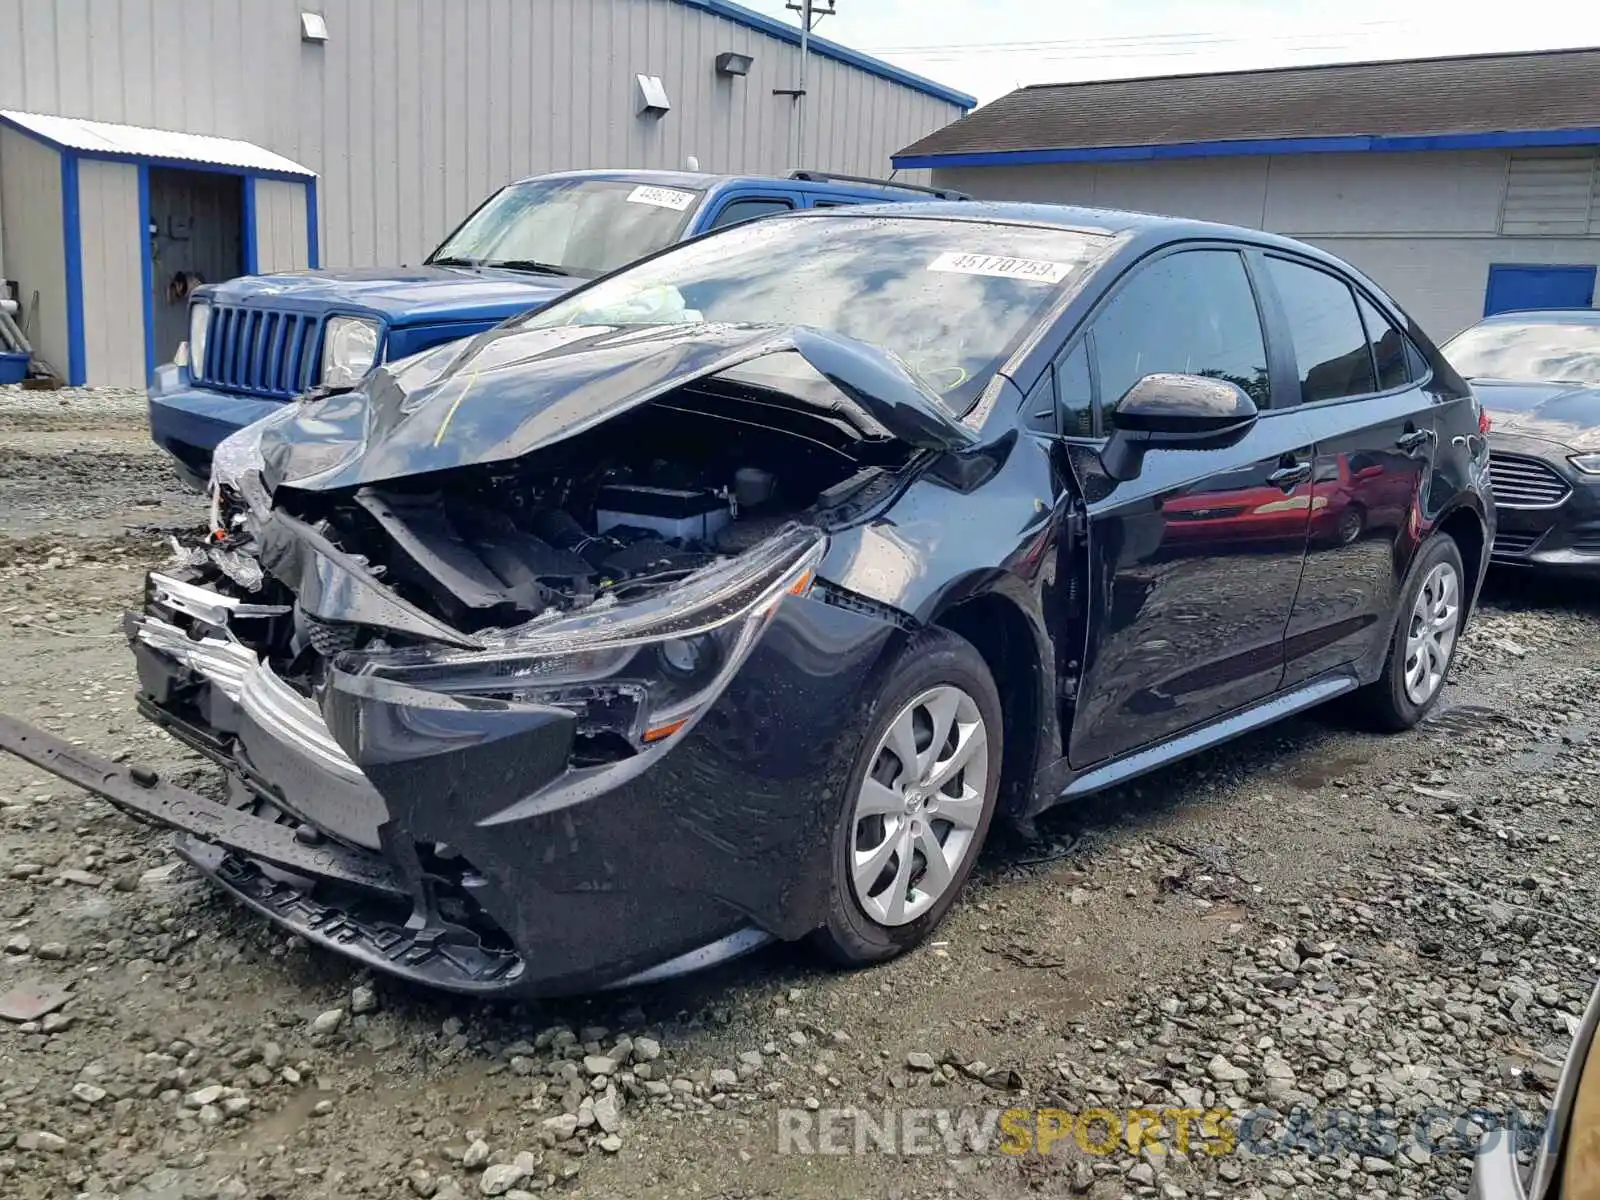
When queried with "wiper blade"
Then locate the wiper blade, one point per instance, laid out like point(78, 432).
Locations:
point(524, 264)
point(454, 261)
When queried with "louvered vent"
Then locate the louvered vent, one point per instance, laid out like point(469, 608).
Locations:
point(1551, 194)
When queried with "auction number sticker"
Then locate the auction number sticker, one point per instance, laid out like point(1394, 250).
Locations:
point(1031, 270)
point(661, 197)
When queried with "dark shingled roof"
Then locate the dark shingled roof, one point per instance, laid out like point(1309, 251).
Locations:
point(1480, 93)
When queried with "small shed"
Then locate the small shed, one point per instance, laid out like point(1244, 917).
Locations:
point(105, 229)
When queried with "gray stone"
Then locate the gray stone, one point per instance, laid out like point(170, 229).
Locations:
point(363, 999)
point(563, 1126)
point(500, 1178)
point(919, 1060)
point(477, 1154)
point(328, 1022)
point(646, 1049)
point(606, 1114)
point(1223, 1071)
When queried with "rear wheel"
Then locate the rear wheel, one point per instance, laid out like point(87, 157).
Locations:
point(1432, 608)
point(918, 802)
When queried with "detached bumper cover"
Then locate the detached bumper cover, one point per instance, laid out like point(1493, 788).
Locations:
point(466, 852)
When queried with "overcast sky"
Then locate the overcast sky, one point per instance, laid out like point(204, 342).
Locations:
point(988, 47)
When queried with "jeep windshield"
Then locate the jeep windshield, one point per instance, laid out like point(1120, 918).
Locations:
point(952, 299)
point(577, 227)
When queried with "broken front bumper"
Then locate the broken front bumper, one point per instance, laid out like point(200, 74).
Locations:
point(466, 852)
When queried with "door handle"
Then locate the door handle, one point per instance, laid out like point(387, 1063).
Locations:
point(1414, 439)
point(1287, 477)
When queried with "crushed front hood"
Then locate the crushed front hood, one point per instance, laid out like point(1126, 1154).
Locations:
point(510, 391)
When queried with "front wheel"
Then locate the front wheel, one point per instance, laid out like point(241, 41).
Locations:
point(917, 803)
point(1432, 609)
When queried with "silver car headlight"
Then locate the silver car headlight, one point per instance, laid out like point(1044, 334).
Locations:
point(1589, 464)
point(349, 348)
point(199, 328)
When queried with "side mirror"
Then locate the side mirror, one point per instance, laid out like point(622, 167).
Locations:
point(1175, 412)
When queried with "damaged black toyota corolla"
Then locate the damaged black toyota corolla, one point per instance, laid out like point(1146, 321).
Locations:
point(733, 596)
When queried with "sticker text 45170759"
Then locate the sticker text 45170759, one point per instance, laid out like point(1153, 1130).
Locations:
point(1030, 270)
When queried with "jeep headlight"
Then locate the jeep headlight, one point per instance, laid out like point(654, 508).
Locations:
point(1589, 464)
point(199, 327)
point(349, 348)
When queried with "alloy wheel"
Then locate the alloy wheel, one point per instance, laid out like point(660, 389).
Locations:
point(1431, 635)
point(919, 807)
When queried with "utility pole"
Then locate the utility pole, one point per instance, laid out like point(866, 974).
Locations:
point(811, 11)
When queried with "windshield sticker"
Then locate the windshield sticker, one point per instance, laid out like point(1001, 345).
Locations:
point(661, 197)
point(1030, 270)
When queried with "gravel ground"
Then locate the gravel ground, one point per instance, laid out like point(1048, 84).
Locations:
point(1389, 936)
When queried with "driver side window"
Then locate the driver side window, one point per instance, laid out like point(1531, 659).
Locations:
point(1191, 313)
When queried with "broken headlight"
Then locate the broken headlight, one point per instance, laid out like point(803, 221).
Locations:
point(643, 671)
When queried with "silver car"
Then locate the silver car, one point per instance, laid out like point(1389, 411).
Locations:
point(1567, 1166)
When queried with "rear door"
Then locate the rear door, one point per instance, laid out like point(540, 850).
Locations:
point(1197, 560)
point(1358, 380)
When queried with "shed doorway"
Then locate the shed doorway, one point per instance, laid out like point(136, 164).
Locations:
point(196, 236)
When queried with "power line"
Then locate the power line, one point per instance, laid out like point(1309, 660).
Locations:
point(1131, 41)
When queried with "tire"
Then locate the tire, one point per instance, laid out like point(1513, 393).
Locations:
point(936, 673)
point(1352, 524)
point(1395, 703)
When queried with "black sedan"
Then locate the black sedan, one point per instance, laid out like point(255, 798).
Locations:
point(733, 596)
point(1538, 377)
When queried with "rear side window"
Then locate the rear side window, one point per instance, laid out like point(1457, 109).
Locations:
point(1330, 343)
point(1389, 347)
point(1191, 313)
point(737, 211)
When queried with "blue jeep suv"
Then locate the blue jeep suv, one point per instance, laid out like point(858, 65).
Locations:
point(260, 340)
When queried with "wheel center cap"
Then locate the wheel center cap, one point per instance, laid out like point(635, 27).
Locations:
point(914, 800)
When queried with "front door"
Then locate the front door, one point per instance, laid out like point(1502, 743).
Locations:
point(1196, 561)
point(1375, 437)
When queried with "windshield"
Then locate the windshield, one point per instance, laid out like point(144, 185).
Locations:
point(1535, 352)
point(582, 227)
point(951, 298)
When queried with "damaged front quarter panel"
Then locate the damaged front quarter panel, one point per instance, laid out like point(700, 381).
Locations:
point(691, 832)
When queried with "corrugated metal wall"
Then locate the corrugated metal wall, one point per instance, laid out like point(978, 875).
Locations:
point(281, 241)
point(1426, 226)
point(35, 253)
point(113, 278)
point(415, 110)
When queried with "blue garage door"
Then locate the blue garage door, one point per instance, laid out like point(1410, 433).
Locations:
point(1514, 287)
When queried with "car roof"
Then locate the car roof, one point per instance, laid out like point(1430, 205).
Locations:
point(703, 180)
point(1545, 316)
point(1141, 228)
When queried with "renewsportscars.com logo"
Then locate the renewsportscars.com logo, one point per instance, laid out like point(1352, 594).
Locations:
point(1154, 1130)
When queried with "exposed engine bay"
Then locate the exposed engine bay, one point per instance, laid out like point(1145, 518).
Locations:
point(636, 506)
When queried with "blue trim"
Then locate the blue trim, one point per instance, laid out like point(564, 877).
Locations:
point(247, 218)
point(147, 274)
point(178, 164)
point(741, 15)
point(313, 242)
point(72, 253)
point(1353, 144)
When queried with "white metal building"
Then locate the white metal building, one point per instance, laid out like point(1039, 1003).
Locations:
point(1464, 185)
point(360, 132)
